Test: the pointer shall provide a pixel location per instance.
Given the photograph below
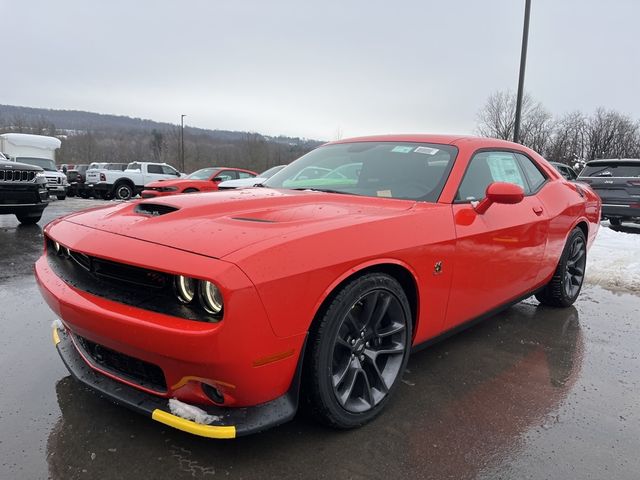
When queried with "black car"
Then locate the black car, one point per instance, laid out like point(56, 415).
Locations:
point(23, 191)
point(617, 181)
point(565, 170)
point(76, 177)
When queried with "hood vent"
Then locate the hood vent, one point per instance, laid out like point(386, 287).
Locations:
point(154, 209)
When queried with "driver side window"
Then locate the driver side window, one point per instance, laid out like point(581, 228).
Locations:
point(486, 168)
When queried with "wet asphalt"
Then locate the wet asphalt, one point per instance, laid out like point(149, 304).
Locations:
point(531, 393)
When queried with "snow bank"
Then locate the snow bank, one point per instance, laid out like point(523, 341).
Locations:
point(191, 412)
point(614, 260)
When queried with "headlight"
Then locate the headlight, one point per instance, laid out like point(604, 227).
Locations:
point(185, 288)
point(41, 175)
point(210, 297)
point(167, 189)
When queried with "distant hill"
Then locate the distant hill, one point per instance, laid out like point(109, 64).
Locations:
point(95, 137)
point(78, 120)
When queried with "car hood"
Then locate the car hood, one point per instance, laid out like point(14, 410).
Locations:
point(220, 223)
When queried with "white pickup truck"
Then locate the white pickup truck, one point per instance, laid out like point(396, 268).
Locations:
point(125, 184)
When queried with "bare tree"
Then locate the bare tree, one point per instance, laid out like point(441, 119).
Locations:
point(156, 144)
point(611, 135)
point(569, 143)
point(497, 119)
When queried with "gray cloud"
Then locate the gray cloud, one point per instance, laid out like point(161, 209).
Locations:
point(309, 69)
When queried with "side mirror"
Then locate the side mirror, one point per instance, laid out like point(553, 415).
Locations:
point(500, 192)
point(216, 179)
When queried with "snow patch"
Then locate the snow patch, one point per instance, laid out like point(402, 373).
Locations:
point(57, 323)
point(191, 412)
point(614, 260)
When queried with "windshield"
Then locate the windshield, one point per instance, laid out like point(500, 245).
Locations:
point(617, 169)
point(405, 170)
point(271, 172)
point(202, 174)
point(44, 163)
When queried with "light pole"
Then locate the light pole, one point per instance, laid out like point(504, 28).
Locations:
point(182, 142)
point(523, 62)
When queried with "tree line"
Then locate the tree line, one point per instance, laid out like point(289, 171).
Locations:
point(144, 140)
point(572, 138)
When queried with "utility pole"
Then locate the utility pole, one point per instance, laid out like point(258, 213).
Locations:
point(523, 62)
point(182, 142)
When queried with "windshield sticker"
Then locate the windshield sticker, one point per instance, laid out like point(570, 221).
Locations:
point(426, 150)
point(384, 193)
point(402, 149)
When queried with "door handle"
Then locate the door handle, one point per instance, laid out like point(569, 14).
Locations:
point(537, 210)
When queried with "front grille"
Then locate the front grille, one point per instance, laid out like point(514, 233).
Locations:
point(54, 180)
point(119, 282)
point(10, 175)
point(129, 368)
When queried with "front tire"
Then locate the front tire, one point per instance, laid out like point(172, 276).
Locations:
point(61, 197)
point(565, 285)
point(357, 351)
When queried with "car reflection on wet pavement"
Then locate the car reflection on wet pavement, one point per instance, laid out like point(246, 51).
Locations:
point(533, 392)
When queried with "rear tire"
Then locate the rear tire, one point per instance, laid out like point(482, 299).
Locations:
point(565, 285)
point(616, 222)
point(357, 351)
point(123, 191)
point(61, 197)
point(190, 190)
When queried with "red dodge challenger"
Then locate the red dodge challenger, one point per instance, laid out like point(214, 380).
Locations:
point(203, 180)
point(216, 313)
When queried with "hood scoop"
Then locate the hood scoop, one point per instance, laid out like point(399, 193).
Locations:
point(154, 209)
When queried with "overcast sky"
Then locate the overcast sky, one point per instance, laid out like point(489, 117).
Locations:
point(311, 69)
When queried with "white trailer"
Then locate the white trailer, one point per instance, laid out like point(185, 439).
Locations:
point(38, 150)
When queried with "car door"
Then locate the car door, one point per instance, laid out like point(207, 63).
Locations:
point(224, 175)
point(499, 252)
point(154, 173)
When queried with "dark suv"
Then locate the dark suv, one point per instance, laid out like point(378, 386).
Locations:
point(76, 177)
point(23, 191)
point(618, 184)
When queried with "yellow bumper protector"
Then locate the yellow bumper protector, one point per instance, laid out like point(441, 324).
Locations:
point(56, 336)
point(209, 431)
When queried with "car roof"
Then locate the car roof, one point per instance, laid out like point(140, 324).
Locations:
point(434, 138)
point(599, 161)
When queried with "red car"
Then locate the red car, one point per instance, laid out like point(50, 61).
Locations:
point(317, 286)
point(203, 180)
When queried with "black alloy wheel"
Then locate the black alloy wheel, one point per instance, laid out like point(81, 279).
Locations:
point(575, 265)
point(565, 285)
point(358, 352)
point(368, 351)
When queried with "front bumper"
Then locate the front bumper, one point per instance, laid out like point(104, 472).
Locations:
point(155, 193)
point(230, 422)
point(240, 356)
point(57, 188)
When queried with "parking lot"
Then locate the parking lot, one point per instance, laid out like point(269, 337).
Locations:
point(531, 393)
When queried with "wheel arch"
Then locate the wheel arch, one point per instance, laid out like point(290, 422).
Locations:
point(400, 271)
point(122, 180)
